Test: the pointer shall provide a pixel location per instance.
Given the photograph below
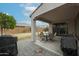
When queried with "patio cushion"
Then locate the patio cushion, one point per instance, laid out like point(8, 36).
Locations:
point(8, 44)
point(69, 42)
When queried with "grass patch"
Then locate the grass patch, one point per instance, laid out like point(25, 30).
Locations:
point(22, 36)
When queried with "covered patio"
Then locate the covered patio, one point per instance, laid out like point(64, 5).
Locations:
point(52, 46)
point(57, 14)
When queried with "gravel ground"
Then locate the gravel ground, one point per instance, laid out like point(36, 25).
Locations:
point(28, 48)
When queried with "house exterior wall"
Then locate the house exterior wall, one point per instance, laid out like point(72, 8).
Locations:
point(77, 25)
point(77, 28)
point(71, 26)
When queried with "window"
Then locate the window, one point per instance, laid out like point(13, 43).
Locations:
point(60, 28)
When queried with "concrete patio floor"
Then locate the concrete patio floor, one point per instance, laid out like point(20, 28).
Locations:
point(52, 46)
point(28, 48)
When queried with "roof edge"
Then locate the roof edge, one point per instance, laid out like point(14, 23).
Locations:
point(36, 9)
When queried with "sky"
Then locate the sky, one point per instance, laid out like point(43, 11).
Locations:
point(20, 11)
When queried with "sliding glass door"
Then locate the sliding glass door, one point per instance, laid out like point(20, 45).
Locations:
point(60, 28)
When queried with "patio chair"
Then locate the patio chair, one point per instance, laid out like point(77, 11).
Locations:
point(51, 36)
point(69, 45)
point(42, 37)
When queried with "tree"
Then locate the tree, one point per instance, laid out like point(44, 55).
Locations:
point(7, 22)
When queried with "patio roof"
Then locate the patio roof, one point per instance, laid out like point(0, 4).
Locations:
point(56, 12)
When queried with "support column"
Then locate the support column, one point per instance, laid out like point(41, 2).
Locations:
point(50, 28)
point(33, 27)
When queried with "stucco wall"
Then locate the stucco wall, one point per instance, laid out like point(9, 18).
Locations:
point(71, 26)
point(78, 27)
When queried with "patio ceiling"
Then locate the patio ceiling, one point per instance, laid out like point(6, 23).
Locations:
point(60, 14)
